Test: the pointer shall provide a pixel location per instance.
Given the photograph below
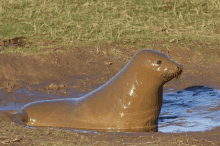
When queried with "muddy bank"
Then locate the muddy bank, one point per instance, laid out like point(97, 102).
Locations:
point(12, 134)
point(83, 69)
point(94, 66)
point(79, 68)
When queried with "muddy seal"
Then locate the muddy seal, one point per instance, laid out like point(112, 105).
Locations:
point(130, 100)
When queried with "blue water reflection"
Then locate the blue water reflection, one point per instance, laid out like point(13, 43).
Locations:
point(192, 109)
point(195, 108)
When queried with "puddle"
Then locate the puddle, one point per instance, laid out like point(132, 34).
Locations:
point(192, 109)
point(18, 99)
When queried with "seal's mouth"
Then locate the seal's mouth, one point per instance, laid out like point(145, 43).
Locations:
point(176, 73)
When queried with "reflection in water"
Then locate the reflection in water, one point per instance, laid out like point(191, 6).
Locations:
point(97, 131)
point(189, 110)
point(195, 108)
point(24, 96)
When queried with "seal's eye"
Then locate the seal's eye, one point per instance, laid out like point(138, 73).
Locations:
point(159, 62)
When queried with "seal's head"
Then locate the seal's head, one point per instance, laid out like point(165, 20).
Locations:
point(162, 68)
point(143, 79)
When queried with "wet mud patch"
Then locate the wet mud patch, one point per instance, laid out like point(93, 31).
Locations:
point(17, 70)
point(16, 100)
point(192, 109)
point(61, 75)
point(12, 134)
point(16, 42)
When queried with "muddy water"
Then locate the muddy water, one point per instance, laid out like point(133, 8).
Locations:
point(192, 109)
point(195, 108)
point(16, 100)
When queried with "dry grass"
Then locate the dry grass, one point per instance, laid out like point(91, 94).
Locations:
point(67, 23)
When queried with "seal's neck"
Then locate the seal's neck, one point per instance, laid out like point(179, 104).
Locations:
point(137, 87)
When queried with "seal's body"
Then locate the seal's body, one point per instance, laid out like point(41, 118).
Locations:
point(130, 100)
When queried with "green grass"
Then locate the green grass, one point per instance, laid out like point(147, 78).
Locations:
point(69, 23)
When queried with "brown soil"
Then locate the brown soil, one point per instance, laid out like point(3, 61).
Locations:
point(83, 69)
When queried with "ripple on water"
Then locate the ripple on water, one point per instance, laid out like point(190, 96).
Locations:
point(24, 96)
point(192, 109)
point(195, 108)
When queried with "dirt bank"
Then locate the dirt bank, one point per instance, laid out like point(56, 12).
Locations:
point(83, 69)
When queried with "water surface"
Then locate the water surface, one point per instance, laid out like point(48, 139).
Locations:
point(195, 108)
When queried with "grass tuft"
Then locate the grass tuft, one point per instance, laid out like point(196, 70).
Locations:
point(71, 23)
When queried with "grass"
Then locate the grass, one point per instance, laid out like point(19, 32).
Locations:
point(69, 23)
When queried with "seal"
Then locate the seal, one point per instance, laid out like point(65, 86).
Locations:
point(130, 100)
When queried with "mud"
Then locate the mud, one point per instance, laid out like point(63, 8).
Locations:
point(116, 100)
point(82, 69)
